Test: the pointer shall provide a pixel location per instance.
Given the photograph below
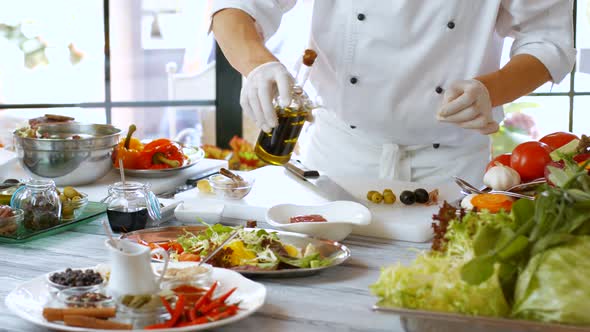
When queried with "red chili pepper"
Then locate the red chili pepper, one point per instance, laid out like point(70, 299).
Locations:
point(178, 311)
point(201, 302)
point(166, 305)
point(223, 308)
point(223, 315)
point(217, 302)
point(198, 321)
point(156, 326)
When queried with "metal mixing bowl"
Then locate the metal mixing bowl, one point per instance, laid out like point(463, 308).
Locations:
point(67, 161)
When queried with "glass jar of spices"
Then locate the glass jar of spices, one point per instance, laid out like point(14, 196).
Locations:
point(40, 203)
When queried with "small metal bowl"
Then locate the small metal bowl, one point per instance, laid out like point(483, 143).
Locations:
point(65, 160)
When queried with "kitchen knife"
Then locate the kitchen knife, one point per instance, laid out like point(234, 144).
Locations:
point(326, 186)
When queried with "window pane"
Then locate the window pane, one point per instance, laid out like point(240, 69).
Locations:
point(582, 115)
point(530, 118)
point(146, 36)
point(563, 86)
point(10, 119)
point(191, 124)
point(52, 51)
point(582, 79)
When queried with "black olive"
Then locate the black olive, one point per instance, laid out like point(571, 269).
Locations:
point(407, 197)
point(421, 195)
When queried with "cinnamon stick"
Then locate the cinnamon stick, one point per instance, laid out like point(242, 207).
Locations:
point(53, 314)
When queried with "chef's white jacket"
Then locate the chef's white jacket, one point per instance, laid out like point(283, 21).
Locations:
point(383, 65)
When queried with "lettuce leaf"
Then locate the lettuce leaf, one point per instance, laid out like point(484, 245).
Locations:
point(554, 286)
point(433, 282)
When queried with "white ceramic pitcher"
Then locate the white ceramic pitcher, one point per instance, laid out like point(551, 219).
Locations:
point(131, 270)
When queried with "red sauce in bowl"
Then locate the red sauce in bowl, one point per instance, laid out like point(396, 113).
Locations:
point(307, 218)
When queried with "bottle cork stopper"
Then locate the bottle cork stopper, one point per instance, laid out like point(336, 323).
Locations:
point(309, 57)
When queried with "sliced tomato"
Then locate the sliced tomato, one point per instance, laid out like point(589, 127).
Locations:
point(188, 257)
point(503, 159)
point(558, 139)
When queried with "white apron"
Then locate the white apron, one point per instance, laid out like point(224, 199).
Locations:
point(334, 148)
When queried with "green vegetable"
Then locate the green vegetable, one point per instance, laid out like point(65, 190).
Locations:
point(433, 282)
point(557, 214)
point(267, 247)
point(554, 286)
point(569, 149)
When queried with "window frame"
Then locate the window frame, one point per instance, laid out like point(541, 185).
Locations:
point(227, 95)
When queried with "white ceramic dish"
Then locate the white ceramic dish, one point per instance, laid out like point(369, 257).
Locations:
point(27, 302)
point(205, 210)
point(341, 216)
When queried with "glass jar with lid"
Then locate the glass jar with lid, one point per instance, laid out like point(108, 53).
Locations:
point(40, 203)
point(129, 204)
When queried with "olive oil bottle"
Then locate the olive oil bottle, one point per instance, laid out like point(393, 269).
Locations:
point(276, 146)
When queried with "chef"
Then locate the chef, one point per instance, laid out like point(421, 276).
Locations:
point(411, 89)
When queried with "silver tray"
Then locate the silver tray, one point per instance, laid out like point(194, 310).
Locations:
point(425, 321)
point(195, 155)
point(335, 250)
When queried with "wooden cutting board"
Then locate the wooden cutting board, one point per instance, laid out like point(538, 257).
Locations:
point(275, 185)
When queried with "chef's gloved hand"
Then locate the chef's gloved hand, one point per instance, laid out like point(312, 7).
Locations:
point(468, 105)
point(261, 87)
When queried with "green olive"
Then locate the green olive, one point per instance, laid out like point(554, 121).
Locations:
point(376, 198)
point(387, 192)
point(70, 192)
point(370, 194)
point(389, 198)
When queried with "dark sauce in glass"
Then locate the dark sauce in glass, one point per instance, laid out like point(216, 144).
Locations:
point(127, 221)
point(277, 146)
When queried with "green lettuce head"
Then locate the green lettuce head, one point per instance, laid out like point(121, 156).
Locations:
point(433, 282)
point(555, 285)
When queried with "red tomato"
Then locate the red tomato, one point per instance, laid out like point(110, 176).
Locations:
point(582, 157)
point(529, 160)
point(503, 159)
point(558, 139)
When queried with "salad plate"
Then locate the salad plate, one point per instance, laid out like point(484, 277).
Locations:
point(27, 302)
point(333, 253)
point(194, 154)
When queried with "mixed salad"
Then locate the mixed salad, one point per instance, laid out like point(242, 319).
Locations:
point(251, 249)
point(529, 263)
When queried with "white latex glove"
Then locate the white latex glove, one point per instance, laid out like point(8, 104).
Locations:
point(468, 105)
point(261, 86)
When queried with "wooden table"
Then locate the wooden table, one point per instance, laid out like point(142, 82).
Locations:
point(337, 299)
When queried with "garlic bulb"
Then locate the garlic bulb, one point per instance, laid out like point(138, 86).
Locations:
point(501, 177)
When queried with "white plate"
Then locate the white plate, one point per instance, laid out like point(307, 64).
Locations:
point(28, 299)
point(341, 216)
